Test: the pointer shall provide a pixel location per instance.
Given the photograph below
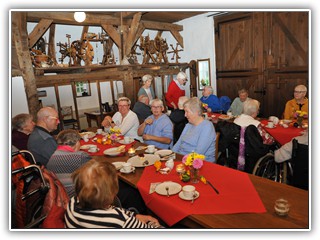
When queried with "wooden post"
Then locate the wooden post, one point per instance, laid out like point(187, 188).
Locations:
point(20, 38)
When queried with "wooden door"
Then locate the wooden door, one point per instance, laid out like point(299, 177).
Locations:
point(265, 52)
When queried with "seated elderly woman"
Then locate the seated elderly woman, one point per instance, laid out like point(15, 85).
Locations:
point(125, 119)
point(22, 126)
point(157, 129)
point(146, 89)
point(96, 186)
point(250, 112)
point(67, 158)
point(199, 134)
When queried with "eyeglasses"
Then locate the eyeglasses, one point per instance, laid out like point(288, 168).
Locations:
point(299, 92)
point(123, 105)
point(52, 117)
point(155, 106)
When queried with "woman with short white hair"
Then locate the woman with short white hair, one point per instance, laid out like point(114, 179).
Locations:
point(199, 134)
point(146, 88)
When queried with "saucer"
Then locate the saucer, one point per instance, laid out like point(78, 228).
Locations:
point(151, 152)
point(270, 127)
point(181, 195)
point(94, 151)
point(132, 169)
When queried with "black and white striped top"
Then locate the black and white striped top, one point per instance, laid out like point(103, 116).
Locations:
point(112, 217)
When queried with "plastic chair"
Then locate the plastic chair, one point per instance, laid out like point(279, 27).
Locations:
point(68, 118)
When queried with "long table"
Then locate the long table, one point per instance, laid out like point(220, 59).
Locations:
point(268, 191)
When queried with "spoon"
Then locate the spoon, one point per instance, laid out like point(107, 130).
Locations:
point(167, 189)
point(193, 197)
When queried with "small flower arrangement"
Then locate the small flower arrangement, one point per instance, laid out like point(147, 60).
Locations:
point(300, 115)
point(194, 161)
point(205, 106)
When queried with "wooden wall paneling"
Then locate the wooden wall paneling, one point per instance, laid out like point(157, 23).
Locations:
point(266, 52)
point(56, 90)
point(99, 97)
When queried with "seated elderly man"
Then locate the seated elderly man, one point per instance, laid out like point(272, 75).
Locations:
point(142, 108)
point(125, 119)
point(212, 100)
point(41, 143)
point(250, 112)
point(237, 105)
point(298, 103)
point(157, 129)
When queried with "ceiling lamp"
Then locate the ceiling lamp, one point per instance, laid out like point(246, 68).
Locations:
point(79, 16)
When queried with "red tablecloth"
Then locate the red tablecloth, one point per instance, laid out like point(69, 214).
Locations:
point(282, 135)
point(237, 194)
point(103, 147)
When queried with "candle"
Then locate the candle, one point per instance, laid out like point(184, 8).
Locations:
point(180, 168)
point(131, 151)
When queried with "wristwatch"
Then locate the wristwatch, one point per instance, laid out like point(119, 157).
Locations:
point(112, 121)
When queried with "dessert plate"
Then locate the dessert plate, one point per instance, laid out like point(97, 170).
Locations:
point(90, 134)
point(163, 153)
point(147, 160)
point(112, 151)
point(173, 188)
point(87, 146)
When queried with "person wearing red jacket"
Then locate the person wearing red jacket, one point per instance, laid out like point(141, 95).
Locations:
point(176, 89)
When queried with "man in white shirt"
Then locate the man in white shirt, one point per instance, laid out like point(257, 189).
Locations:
point(125, 120)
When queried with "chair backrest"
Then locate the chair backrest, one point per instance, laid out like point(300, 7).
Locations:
point(225, 103)
point(300, 164)
point(66, 112)
point(228, 145)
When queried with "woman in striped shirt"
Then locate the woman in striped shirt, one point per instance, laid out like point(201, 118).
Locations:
point(96, 185)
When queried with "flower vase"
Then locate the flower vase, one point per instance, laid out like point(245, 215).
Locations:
point(194, 175)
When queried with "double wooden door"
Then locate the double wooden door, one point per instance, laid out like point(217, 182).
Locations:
point(264, 52)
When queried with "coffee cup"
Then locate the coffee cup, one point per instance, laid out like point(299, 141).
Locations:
point(93, 149)
point(188, 191)
point(151, 148)
point(229, 114)
point(99, 131)
point(270, 124)
point(126, 139)
point(127, 167)
point(86, 138)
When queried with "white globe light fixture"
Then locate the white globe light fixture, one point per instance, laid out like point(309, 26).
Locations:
point(79, 16)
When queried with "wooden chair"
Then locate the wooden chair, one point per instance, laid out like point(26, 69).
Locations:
point(68, 118)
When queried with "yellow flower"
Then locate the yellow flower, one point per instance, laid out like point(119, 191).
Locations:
point(203, 179)
point(157, 165)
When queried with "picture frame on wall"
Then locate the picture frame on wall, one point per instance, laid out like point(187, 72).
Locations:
point(83, 89)
point(204, 77)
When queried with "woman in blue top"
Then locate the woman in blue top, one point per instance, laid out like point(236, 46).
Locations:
point(199, 134)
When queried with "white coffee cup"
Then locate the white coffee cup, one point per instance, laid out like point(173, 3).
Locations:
point(99, 131)
point(127, 167)
point(86, 138)
point(151, 148)
point(188, 191)
point(93, 149)
point(270, 124)
point(229, 114)
point(126, 139)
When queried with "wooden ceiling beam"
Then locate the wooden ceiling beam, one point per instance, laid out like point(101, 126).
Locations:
point(113, 33)
point(162, 26)
point(131, 37)
point(178, 37)
point(38, 31)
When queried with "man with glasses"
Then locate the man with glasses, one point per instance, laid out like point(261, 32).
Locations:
point(157, 129)
point(125, 120)
point(41, 143)
point(298, 103)
point(176, 89)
